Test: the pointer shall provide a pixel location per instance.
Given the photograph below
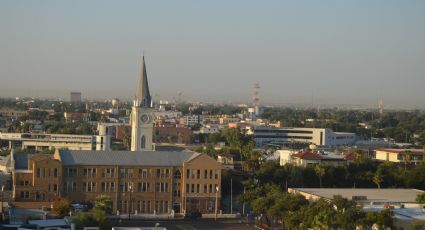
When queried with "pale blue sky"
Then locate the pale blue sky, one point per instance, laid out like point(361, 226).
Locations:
point(339, 51)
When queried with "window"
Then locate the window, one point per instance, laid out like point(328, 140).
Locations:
point(161, 187)
point(55, 187)
point(143, 173)
point(24, 183)
point(167, 173)
point(143, 142)
point(210, 188)
point(25, 195)
point(187, 174)
point(70, 186)
point(108, 186)
point(126, 187)
point(197, 188)
point(108, 173)
point(205, 188)
point(143, 187)
point(89, 186)
point(55, 172)
point(198, 174)
point(71, 172)
point(216, 174)
point(193, 188)
point(38, 172)
point(211, 173)
point(193, 173)
point(205, 174)
point(89, 172)
point(187, 188)
point(177, 174)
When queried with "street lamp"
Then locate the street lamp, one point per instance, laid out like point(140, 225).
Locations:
point(130, 189)
point(217, 189)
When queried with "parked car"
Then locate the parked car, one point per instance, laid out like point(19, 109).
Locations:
point(193, 215)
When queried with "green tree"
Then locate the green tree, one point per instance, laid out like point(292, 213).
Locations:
point(381, 220)
point(320, 172)
point(103, 203)
point(61, 207)
point(407, 157)
point(420, 198)
point(377, 179)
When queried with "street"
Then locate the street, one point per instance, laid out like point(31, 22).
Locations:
point(187, 224)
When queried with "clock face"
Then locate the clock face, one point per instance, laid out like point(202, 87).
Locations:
point(144, 118)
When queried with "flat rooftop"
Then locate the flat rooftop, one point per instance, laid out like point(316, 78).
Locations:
point(377, 195)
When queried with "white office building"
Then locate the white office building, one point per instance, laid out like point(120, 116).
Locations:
point(58, 141)
point(318, 136)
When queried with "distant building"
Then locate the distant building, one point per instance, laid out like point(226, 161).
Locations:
point(75, 97)
point(313, 158)
point(58, 141)
point(414, 156)
point(12, 113)
point(365, 196)
point(287, 136)
point(190, 120)
point(75, 116)
point(179, 135)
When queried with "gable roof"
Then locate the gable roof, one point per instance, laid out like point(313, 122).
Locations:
point(308, 156)
point(124, 158)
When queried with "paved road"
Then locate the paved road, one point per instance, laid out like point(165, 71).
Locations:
point(189, 224)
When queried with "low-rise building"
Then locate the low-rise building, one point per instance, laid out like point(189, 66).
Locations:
point(307, 158)
point(57, 141)
point(364, 196)
point(414, 156)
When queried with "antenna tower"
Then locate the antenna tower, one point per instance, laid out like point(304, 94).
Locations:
point(256, 96)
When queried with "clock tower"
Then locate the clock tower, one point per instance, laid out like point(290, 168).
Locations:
point(142, 115)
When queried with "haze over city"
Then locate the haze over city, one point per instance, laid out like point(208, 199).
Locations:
point(324, 52)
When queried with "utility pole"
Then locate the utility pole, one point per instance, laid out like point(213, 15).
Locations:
point(243, 205)
point(216, 201)
point(231, 195)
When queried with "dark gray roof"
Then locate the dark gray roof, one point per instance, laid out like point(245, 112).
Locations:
point(144, 158)
point(21, 160)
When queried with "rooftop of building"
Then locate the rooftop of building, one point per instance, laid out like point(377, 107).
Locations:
point(412, 151)
point(388, 195)
point(310, 155)
point(125, 158)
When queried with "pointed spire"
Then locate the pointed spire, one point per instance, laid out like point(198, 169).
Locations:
point(143, 97)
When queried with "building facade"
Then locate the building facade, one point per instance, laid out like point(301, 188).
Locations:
point(413, 156)
point(137, 182)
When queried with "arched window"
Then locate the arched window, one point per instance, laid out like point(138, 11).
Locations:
point(177, 174)
point(143, 142)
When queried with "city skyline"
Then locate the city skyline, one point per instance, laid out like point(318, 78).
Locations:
point(301, 53)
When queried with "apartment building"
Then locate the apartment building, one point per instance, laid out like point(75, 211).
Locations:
point(138, 182)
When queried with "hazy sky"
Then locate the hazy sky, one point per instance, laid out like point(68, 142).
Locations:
point(300, 51)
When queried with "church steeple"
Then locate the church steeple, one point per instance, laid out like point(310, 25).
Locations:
point(143, 97)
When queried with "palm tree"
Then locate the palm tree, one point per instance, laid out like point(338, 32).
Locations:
point(407, 156)
point(320, 172)
point(377, 179)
